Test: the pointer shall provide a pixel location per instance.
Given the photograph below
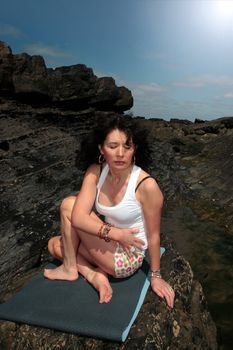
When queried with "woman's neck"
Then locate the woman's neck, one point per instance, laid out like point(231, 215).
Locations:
point(119, 177)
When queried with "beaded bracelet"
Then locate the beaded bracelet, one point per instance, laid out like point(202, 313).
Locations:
point(155, 274)
point(104, 231)
point(100, 230)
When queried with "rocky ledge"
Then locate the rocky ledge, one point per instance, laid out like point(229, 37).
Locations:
point(75, 87)
point(38, 145)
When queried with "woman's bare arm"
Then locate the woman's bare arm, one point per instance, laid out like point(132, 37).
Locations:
point(82, 220)
point(151, 199)
point(83, 206)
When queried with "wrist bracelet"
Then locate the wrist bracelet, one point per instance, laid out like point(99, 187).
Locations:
point(100, 231)
point(104, 231)
point(155, 274)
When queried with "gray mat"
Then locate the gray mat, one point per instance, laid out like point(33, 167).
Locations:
point(73, 306)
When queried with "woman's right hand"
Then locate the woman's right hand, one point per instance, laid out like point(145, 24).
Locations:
point(126, 237)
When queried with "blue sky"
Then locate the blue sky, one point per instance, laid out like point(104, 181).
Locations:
point(175, 56)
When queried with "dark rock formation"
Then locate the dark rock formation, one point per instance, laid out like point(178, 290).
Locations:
point(201, 224)
point(204, 150)
point(74, 87)
point(6, 68)
point(43, 119)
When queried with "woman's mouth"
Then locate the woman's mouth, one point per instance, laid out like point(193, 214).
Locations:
point(119, 162)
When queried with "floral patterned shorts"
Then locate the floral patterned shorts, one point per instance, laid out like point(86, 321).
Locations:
point(126, 263)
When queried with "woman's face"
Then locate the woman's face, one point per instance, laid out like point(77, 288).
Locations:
point(117, 152)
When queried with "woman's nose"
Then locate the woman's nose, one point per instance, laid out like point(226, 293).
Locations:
point(120, 151)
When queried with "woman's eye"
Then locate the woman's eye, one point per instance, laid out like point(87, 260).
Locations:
point(113, 146)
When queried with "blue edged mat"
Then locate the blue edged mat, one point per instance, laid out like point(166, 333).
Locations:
point(74, 306)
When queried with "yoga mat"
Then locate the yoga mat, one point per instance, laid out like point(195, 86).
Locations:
point(74, 306)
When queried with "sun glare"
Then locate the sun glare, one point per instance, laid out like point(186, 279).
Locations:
point(218, 16)
point(223, 9)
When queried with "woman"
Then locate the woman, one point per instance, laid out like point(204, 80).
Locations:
point(131, 202)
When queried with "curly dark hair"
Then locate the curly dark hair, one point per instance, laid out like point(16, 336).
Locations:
point(89, 151)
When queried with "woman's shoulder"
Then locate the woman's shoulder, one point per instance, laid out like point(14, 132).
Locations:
point(146, 182)
point(145, 175)
point(93, 170)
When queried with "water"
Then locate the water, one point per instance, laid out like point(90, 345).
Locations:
point(209, 250)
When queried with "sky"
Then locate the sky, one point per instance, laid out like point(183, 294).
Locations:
point(176, 57)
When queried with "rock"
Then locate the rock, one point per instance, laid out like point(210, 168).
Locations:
point(212, 129)
point(107, 95)
point(200, 132)
point(38, 161)
point(30, 78)
point(6, 69)
point(105, 92)
point(38, 145)
point(199, 121)
point(125, 100)
point(37, 171)
point(227, 122)
point(5, 50)
point(74, 87)
point(180, 121)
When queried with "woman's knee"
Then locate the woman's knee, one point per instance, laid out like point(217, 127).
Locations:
point(55, 247)
point(51, 244)
point(67, 204)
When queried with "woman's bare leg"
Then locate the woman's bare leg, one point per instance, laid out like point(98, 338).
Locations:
point(85, 265)
point(100, 251)
point(57, 247)
point(95, 276)
point(70, 242)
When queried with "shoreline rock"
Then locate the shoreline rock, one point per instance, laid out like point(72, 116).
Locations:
point(38, 144)
point(75, 87)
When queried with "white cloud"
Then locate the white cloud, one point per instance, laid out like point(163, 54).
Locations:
point(151, 88)
point(44, 50)
point(229, 95)
point(145, 90)
point(204, 80)
point(11, 31)
point(166, 107)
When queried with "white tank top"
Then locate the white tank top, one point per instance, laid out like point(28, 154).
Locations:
point(128, 213)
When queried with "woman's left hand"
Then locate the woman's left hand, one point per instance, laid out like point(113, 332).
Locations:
point(163, 290)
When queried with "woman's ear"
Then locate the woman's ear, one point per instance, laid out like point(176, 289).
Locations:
point(100, 149)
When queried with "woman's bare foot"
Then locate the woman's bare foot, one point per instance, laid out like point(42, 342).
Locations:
point(61, 273)
point(100, 281)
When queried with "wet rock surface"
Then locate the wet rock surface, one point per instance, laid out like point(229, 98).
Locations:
point(201, 224)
